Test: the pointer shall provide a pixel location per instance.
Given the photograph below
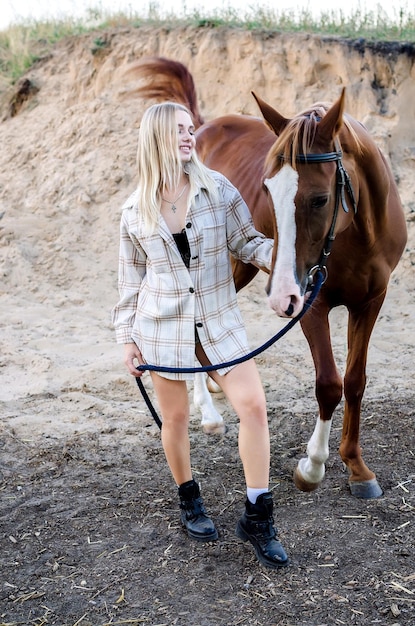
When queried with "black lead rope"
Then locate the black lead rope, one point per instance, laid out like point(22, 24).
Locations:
point(148, 402)
point(319, 279)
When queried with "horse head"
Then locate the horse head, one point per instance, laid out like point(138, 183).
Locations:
point(301, 181)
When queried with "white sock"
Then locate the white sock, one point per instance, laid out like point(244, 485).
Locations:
point(252, 494)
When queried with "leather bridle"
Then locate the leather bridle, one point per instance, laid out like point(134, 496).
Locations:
point(343, 185)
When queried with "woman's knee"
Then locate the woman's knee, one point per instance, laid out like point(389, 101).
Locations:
point(252, 408)
point(175, 417)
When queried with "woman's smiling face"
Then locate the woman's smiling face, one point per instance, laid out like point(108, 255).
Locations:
point(186, 135)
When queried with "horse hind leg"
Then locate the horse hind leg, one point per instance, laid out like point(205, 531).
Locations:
point(212, 421)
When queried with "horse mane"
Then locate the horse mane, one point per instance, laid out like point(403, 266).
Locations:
point(167, 80)
point(299, 135)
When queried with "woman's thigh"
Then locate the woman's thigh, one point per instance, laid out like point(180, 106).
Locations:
point(242, 386)
point(172, 397)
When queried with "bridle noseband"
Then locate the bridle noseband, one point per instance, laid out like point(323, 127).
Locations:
point(343, 185)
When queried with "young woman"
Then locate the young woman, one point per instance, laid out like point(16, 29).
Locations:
point(178, 300)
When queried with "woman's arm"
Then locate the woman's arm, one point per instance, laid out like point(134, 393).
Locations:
point(245, 242)
point(131, 271)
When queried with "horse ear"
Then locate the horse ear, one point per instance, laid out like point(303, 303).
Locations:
point(274, 120)
point(332, 122)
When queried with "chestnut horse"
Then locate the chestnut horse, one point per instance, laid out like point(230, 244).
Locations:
point(318, 185)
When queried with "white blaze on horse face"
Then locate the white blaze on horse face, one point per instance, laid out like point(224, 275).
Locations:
point(284, 296)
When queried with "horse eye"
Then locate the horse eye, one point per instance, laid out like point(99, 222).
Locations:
point(318, 202)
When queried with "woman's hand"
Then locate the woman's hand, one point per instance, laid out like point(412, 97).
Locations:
point(132, 358)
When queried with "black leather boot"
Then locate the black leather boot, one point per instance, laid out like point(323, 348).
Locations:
point(257, 526)
point(194, 518)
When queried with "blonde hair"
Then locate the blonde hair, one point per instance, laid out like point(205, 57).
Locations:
point(159, 165)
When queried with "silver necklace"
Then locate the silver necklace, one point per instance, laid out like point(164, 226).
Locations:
point(173, 204)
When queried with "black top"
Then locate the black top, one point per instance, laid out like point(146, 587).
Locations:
point(182, 243)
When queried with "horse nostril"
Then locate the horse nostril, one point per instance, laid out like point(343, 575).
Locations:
point(290, 310)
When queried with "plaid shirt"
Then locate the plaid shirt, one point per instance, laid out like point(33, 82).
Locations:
point(162, 302)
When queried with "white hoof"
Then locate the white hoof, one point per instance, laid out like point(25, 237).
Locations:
point(214, 429)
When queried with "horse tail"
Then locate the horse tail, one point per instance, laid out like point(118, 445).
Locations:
point(167, 80)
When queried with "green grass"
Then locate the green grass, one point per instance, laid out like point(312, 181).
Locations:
point(24, 42)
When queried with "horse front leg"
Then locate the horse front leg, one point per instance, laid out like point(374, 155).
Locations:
point(212, 421)
point(362, 481)
point(310, 470)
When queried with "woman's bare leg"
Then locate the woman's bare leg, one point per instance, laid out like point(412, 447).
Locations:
point(243, 388)
point(173, 400)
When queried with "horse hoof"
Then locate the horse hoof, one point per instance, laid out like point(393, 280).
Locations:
point(302, 484)
point(365, 489)
point(215, 429)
